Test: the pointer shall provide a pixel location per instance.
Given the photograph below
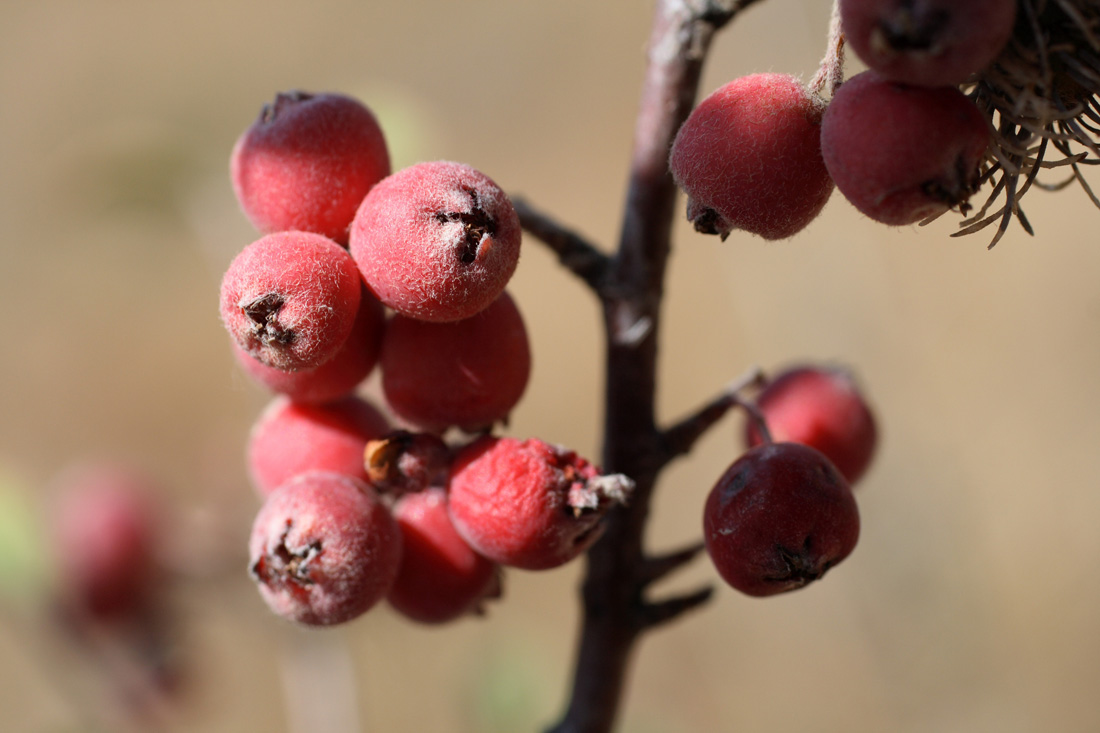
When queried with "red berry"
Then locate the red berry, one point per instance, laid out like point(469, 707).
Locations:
point(441, 577)
point(779, 517)
point(339, 376)
point(105, 537)
point(822, 408)
point(903, 153)
point(291, 438)
point(931, 43)
point(469, 373)
point(290, 299)
point(529, 504)
point(402, 462)
point(324, 549)
point(436, 241)
point(307, 162)
point(749, 157)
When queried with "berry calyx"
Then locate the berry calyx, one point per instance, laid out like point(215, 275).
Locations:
point(778, 519)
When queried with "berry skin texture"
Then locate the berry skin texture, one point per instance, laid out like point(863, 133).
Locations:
point(105, 539)
point(823, 408)
point(930, 43)
point(290, 299)
point(436, 241)
point(749, 158)
point(441, 577)
point(323, 549)
point(529, 504)
point(779, 517)
point(469, 373)
point(307, 162)
point(290, 438)
point(901, 154)
point(339, 376)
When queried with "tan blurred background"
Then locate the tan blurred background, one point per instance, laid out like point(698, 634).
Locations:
point(972, 602)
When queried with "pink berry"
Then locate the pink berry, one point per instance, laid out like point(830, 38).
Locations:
point(441, 577)
point(292, 438)
point(324, 549)
point(339, 376)
point(402, 462)
point(436, 241)
point(822, 408)
point(290, 299)
point(779, 517)
point(930, 43)
point(530, 504)
point(307, 162)
point(749, 157)
point(469, 373)
point(105, 537)
point(901, 154)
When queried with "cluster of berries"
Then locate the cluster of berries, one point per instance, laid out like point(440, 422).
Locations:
point(901, 141)
point(359, 267)
point(784, 512)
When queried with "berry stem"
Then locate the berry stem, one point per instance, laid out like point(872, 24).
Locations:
point(615, 613)
point(831, 72)
point(680, 438)
point(575, 253)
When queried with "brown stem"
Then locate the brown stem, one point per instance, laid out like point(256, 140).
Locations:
point(575, 253)
point(615, 612)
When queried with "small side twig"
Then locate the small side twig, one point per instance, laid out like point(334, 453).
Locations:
point(679, 439)
point(575, 253)
point(661, 612)
point(659, 566)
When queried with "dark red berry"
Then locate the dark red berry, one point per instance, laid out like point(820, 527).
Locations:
point(778, 519)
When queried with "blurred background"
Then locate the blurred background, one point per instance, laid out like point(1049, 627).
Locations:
point(971, 603)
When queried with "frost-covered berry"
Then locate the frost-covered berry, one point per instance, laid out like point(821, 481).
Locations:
point(749, 158)
point(441, 577)
point(290, 299)
point(900, 153)
point(436, 241)
point(930, 43)
point(529, 504)
point(779, 517)
point(290, 438)
point(469, 373)
point(339, 376)
point(821, 407)
point(307, 162)
point(324, 549)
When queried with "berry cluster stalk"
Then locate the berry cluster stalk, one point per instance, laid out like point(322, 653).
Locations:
point(630, 286)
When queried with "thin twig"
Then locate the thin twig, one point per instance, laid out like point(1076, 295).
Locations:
point(680, 438)
point(659, 566)
point(661, 612)
point(575, 253)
